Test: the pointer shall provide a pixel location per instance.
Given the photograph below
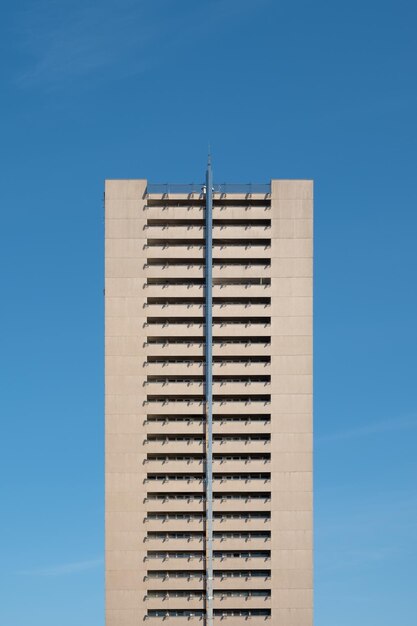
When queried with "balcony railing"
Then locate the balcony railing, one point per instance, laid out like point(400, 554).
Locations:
point(199, 188)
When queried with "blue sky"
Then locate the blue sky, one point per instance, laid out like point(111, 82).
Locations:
point(289, 89)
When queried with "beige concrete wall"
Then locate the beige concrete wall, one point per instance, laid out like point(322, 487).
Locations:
point(125, 547)
point(291, 364)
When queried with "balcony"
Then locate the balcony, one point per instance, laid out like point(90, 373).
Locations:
point(192, 387)
point(245, 210)
point(242, 329)
point(191, 426)
point(228, 248)
point(174, 386)
point(166, 348)
point(194, 248)
point(167, 270)
point(173, 564)
point(167, 232)
point(238, 444)
point(181, 289)
point(181, 367)
point(166, 446)
point(184, 460)
point(196, 426)
point(242, 562)
point(242, 386)
point(226, 231)
point(176, 309)
point(245, 368)
point(171, 465)
point(233, 620)
point(228, 308)
point(243, 581)
point(242, 524)
point(226, 426)
point(172, 329)
point(193, 406)
point(193, 328)
point(194, 307)
point(171, 504)
point(191, 582)
point(221, 619)
point(255, 504)
point(241, 347)
point(173, 525)
point(223, 522)
point(242, 407)
point(196, 210)
point(241, 464)
point(188, 484)
point(178, 503)
point(190, 543)
point(245, 484)
point(195, 600)
point(195, 501)
point(241, 270)
point(241, 289)
point(169, 601)
point(243, 232)
point(165, 267)
point(250, 601)
point(242, 543)
point(169, 249)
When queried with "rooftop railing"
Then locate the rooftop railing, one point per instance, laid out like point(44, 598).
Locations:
point(199, 188)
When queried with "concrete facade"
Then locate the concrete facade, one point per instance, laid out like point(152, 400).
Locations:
point(262, 408)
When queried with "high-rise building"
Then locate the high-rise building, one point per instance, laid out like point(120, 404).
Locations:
point(209, 403)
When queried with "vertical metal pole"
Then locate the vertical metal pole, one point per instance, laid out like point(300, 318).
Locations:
point(209, 393)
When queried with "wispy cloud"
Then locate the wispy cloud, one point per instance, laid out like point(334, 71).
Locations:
point(353, 532)
point(352, 558)
point(373, 428)
point(74, 39)
point(63, 568)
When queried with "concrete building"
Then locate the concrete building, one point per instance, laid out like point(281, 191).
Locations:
point(209, 435)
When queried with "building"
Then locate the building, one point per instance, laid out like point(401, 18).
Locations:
point(208, 403)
